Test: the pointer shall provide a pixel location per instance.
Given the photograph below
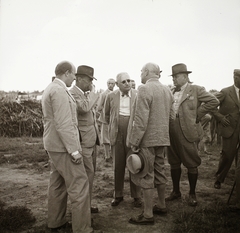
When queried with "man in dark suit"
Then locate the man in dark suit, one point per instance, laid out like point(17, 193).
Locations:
point(117, 111)
point(191, 103)
point(229, 126)
point(150, 134)
point(86, 99)
point(61, 141)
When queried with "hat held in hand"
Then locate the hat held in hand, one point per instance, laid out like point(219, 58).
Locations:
point(85, 70)
point(137, 164)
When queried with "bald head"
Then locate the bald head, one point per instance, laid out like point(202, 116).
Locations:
point(150, 70)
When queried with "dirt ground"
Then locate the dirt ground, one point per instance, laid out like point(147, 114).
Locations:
point(23, 185)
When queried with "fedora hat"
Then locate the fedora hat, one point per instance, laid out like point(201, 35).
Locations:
point(137, 164)
point(85, 70)
point(179, 68)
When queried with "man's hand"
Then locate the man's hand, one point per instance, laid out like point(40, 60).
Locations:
point(77, 158)
point(225, 122)
point(135, 149)
point(92, 88)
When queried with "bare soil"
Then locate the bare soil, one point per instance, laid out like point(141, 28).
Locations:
point(23, 184)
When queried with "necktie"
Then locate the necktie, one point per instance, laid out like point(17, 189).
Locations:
point(125, 94)
point(177, 89)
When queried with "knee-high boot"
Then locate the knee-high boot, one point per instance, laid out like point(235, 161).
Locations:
point(176, 175)
point(192, 178)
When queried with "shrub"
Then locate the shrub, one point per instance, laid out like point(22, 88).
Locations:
point(21, 119)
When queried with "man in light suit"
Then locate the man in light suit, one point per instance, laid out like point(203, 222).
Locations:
point(104, 126)
point(191, 103)
point(150, 134)
point(61, 140)
point(229, 127)
point(86, 99)
point(117, 110)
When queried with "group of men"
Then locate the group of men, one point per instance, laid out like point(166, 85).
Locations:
point(136, 128)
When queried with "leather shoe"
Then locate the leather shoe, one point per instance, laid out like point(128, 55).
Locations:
point(141, 220)
point(217, 185)
point(94, 210)
point(159, 211)
point(116, 201)
point(137, 202)
point(192, 201)
point(173, 196)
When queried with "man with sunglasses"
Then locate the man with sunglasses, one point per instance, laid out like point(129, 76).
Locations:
point(86, 99)
point(117, 110)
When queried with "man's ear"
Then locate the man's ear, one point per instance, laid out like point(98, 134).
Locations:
point(116, 84)
point(147, 72)
point(67, 72)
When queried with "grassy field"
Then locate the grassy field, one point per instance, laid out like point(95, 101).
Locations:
point(26, 157)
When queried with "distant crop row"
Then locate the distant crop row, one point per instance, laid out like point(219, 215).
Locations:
point(21, 119)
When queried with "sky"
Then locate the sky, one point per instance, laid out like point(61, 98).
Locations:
point(114, 36)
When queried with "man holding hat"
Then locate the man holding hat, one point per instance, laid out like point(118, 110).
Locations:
point(191, 103)
point(86, 99)
point(229, 129)
point(148, 137)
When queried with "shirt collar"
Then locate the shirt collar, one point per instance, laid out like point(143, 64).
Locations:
point(236, 88)
point(61, 82)
point(182, 88)
point(129, 93)
point(79, 89)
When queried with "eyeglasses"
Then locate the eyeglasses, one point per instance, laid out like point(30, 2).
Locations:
point(127, 80)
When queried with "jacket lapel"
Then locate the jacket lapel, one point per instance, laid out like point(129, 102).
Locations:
point(117, 101)
point(187, 92)
point(132, 99)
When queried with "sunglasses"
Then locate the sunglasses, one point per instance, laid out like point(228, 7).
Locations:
point(127, 80)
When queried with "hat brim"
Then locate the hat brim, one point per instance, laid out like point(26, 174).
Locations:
point(182, 72)
point(86, 75)
point(145, 169)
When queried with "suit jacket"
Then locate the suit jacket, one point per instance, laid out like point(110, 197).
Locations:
point(111, 112)
point(153, 112)
point(101, 105)
point(86, 115)
point(229, 107)
point(59, 119)
point(195, 103)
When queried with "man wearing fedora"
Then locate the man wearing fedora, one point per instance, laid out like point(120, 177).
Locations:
point(117, 111)
point(61, 141)
point(86, 99)
point(104, 126)
point(191, 103)
point(229, 127)
point(148, 135)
